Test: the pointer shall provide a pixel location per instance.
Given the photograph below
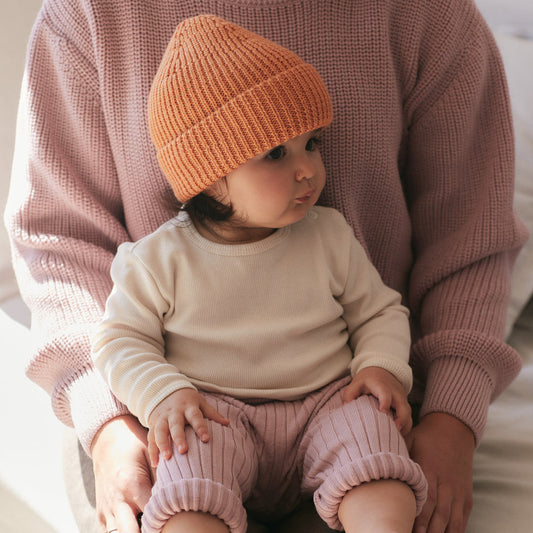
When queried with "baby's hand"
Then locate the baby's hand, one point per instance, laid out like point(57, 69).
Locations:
point(387, 389)
point(168, 420)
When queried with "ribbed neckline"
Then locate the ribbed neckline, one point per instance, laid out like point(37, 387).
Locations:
point(184, 222)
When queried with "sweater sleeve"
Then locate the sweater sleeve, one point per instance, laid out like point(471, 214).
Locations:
point(378, 324)
point(129, 344)
point(459, 186)
point(64, 217)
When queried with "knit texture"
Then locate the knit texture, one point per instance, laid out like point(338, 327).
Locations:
point(270, 453)
point(419, 160)
point(223, 95)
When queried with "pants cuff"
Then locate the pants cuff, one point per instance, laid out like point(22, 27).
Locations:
point(194, 495)
point(328, 496)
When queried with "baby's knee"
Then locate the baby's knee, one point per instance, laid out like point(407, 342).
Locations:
point(378, 506)
point(355, 444)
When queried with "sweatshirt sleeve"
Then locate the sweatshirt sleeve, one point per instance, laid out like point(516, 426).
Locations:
point(129, 344)
point(64, 217)
point(459, 185)
point(378, 324)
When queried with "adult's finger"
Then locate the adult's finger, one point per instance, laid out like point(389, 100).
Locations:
point(126, 518)
point(123, 479)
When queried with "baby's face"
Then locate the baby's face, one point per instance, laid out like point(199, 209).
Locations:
point(276, 188)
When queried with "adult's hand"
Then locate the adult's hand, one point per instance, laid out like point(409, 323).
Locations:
point(123, 478)
point(444, 447)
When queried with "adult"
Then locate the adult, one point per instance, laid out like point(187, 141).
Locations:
point(422, 168)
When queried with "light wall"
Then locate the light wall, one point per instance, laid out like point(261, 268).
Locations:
point(16, 21)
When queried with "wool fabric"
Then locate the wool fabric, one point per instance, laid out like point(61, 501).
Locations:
point(223, 95)
point(419, 160)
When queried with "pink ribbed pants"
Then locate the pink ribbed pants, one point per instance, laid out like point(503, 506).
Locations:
point(274, 453)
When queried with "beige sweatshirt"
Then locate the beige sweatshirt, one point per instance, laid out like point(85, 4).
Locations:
point(274, 319)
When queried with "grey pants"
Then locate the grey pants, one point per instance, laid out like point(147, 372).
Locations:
point(79, 480)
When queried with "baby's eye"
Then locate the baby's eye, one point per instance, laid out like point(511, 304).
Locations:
point(312, 144)
point(276, 153)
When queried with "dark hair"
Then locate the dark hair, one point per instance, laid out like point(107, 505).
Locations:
point(204, 208)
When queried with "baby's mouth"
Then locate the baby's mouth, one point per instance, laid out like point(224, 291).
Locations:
point(305, 197)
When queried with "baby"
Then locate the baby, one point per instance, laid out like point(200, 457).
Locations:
point(251, 334)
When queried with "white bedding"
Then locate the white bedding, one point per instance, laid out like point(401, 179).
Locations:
point(32, 497)
point(503, 467)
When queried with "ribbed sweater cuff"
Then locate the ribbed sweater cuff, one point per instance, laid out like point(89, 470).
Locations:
point(92, 405)
point(458, 387)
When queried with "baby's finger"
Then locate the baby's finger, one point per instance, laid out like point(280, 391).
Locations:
point(196, 419)
point(407, 427)
point(161, 437)
point(352, 391)
point(177, 433)
point(403, 419)
point(385, 400)
point(210, 412)
point(153, 450)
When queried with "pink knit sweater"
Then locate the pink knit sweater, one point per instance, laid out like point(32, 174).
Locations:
point(419, 158)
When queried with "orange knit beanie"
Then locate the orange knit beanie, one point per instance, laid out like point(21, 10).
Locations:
point(223, 95)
